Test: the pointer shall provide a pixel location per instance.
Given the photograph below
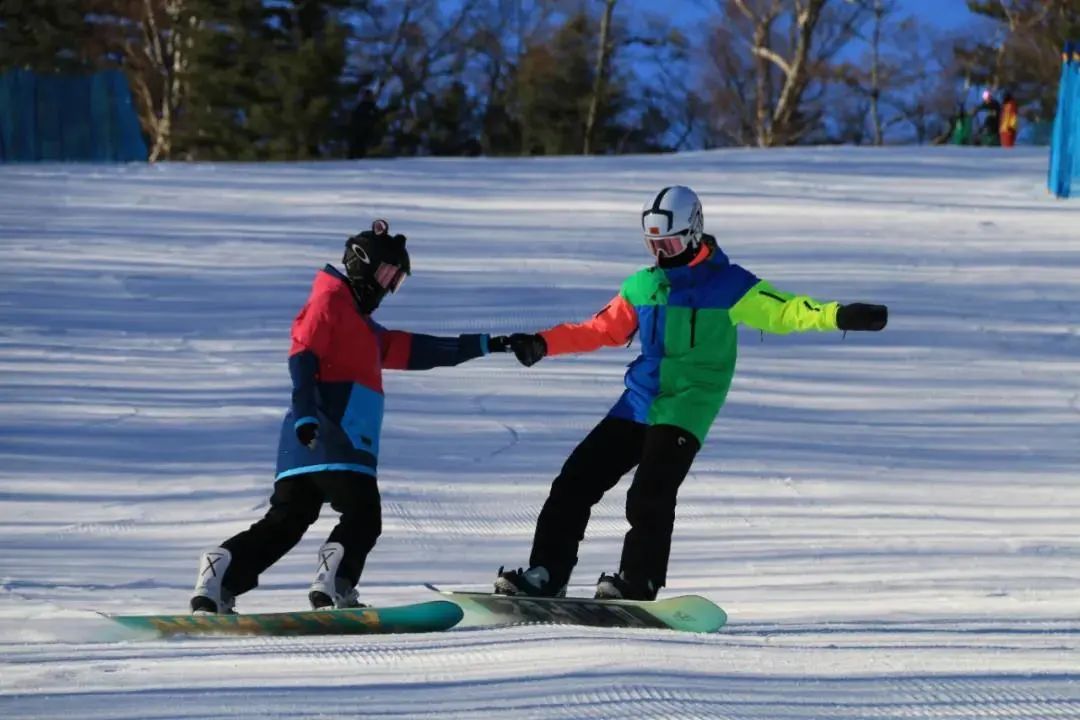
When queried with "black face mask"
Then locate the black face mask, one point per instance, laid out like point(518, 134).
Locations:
point(368, 297)
point(679, 260)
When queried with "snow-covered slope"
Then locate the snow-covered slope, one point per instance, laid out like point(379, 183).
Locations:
point(892, 520)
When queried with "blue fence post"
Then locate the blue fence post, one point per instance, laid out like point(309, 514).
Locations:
point(1074, 115)
point(1057, 145)
point(1065, 140)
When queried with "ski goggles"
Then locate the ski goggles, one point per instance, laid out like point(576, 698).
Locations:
point(390, 277)
point(668, 246)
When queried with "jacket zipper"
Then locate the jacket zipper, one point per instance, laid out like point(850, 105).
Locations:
point(693, 326)
point(655, 319)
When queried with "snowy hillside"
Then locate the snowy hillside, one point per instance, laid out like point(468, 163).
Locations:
point(891, 520)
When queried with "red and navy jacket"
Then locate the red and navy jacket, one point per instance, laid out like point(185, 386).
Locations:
point(336, 363)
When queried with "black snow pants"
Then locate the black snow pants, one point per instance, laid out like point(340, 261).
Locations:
point(663, 455)
point(294, 506)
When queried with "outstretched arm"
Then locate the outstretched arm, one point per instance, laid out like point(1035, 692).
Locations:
point(765, 308)
point(414, 351)
point(612, 326)
point(768, 309)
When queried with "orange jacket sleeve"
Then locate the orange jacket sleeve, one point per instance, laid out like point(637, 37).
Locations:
point(612, 326)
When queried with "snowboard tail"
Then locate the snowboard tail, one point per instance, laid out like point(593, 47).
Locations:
point(420, 617)
point(688, 613)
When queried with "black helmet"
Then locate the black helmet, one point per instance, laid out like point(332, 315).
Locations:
point(375, 263)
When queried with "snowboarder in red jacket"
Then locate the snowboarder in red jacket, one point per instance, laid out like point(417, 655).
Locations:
point(329, 445)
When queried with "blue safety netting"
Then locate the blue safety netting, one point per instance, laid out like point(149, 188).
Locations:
point(68, 117)
point(1065, 140)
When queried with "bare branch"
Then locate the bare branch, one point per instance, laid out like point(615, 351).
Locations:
point(774, 58)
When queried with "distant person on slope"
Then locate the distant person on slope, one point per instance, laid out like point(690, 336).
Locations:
point(684, 310)
point(1010, 121)
point(959, 130)
point(989, 130)
point(329, 445)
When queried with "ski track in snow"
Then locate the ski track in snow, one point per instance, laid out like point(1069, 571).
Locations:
point(891, 520)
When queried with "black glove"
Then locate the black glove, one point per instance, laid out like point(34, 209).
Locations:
point(862, 316)
point(529, 349)
point(308, 434)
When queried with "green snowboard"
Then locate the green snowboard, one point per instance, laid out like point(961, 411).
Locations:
point(419, 617)
point(689, 613)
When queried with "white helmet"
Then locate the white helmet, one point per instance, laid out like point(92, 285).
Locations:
point(672, 221)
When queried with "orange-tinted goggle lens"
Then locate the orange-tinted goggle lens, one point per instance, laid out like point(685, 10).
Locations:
point(389, 276)
point(669, 246)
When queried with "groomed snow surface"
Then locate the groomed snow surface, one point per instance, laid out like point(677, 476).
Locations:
point(892, 520)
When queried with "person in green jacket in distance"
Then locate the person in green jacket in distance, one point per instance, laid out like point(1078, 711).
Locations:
point(684, 310)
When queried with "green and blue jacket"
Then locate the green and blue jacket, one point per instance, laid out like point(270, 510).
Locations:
point(686, 320)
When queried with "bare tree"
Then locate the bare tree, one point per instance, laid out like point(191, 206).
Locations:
point(1024, 53)
point(158, 58)
point(407, 52)
point(929, 79)
point(728, 91)
point(905, 84)
point(880, 10)
point(874, 75)
point(767, 54)
point(603, 54)
point(502, 31)
point(147, 39)
point(796, 73)
point(666, 51)
point(1020, 17)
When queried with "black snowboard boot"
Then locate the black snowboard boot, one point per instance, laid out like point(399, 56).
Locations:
point(534, 582)
point(619, 587)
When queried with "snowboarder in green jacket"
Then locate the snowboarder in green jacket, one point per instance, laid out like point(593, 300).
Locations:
point(684, 310)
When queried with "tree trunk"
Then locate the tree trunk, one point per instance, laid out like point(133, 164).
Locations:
point(787, 106)
point(875, 73)
point(602, 54)
point(158, 63)
point(763, 90)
